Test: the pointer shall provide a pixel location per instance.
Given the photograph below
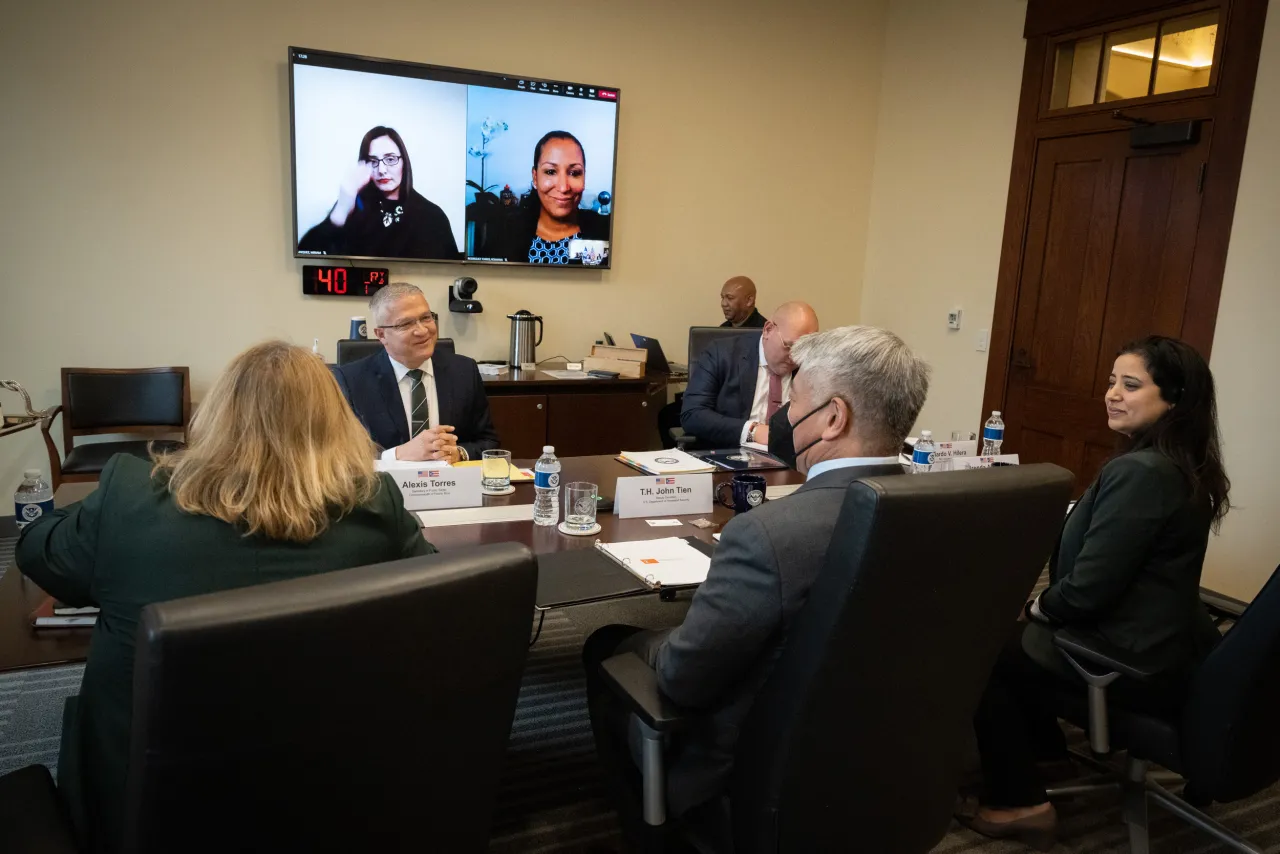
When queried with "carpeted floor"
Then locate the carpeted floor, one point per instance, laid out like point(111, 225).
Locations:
point(552, 800)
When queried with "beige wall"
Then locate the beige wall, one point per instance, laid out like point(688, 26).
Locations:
point(1246, 350)
point(146, 148)
point(935, 235)
point(952, 73)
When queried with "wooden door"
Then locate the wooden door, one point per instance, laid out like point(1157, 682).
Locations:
point(1110, 240)
point(1105, 242)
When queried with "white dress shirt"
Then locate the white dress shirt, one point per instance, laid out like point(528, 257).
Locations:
point(405, 384)
point(760, 403)
point(848, 462)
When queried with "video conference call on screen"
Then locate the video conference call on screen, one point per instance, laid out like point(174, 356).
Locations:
point(395, 160)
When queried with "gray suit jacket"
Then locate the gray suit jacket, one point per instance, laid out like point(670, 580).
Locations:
point(719, 658)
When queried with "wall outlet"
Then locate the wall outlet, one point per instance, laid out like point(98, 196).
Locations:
point(984, 340)
point(954, 318)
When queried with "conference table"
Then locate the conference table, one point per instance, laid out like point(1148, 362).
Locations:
point(22, 647)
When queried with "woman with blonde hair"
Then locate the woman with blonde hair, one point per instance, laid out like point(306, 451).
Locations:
point(277, 482)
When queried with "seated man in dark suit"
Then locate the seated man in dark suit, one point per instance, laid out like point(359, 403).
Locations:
point(416, 402)
point(741, 381)
point(738, 302)
point(856, 396)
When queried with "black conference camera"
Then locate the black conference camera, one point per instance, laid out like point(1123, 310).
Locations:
point(460, 296)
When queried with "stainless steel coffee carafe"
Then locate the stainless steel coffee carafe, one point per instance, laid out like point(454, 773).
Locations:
point(523, 343)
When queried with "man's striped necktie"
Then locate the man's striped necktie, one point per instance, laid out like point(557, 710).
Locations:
point(419, 412)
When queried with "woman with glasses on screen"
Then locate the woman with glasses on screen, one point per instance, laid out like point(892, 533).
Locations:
point(277, 482)
point(549, 216)
point(378, 213)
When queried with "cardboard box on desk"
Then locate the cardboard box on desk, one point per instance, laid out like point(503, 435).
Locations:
point(433, 485)
point(625, 361)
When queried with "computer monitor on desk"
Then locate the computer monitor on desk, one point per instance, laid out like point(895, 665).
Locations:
point(657, 360)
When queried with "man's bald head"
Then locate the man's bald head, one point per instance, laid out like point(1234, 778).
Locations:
point(738, 299)
point(789, 323)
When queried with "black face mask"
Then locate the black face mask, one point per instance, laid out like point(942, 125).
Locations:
point(800, 451)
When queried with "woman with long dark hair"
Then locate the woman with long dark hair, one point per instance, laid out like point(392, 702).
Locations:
point(1126, 570)
point(378, 212)
point(549, 216)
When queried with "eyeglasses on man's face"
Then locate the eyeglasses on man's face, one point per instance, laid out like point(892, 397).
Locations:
point(427, 321)
point(389, 160)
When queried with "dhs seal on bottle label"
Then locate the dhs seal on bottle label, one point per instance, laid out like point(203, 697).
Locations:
point(26, 512)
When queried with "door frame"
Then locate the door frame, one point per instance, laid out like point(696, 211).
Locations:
point(1227, 103)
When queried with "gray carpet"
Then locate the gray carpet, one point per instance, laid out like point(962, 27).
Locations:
point(551, 797)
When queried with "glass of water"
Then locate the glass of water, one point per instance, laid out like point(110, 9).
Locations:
point(963, 436)
point(580, 506)
point(495, 471)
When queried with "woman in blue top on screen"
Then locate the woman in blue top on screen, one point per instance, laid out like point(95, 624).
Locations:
point(549, 216)
point(378, 213)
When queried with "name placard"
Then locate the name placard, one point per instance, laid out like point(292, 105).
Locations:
point(435, 486)
point(983, 462)
point(947, 450)
point(666, 495)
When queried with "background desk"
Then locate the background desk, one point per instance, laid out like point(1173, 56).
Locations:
point(579, 417)
point(22, 646)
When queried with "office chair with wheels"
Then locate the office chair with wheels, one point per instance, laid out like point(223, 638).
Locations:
point(146, 402)
point(361, 710)
point(861, 727)
point(1224, 743)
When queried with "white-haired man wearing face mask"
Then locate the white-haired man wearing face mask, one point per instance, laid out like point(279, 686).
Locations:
point(855, 398)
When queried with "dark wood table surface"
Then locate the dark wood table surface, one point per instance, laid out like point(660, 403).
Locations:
point(21, 646)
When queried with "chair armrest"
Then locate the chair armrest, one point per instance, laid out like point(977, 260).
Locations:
point(1222, 607)
point(635, 683)
point(684, 440)
point(32, 818)
point(1088, 649)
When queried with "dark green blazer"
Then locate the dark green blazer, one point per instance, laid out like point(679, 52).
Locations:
point(128, 545)
point(1128, 565)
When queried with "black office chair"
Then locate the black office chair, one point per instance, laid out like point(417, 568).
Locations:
point(1224, 744)
point(149, 403)
point(672, 434)
point(353, 349)
point(362, 710)
point(862, 725)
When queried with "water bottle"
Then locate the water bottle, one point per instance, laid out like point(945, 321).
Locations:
point(922, 453)
point(992, 435)
point(546, 488)
point(33, 499)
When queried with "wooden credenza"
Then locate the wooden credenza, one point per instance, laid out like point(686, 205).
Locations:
point(578, 417)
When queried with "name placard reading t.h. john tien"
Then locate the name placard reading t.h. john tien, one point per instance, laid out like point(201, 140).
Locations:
point(434, 486)
point(662, 495)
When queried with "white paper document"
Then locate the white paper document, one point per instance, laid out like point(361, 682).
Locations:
point(568, 375)
point(475, 515)
point(664, 523)
point(666, 462)
point(667, 562)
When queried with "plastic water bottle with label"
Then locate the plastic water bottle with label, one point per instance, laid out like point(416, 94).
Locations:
point(922, 453)
point(33, 499)
point(993, 435)
point(546, 488)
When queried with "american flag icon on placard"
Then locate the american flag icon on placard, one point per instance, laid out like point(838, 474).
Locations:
point(665, 479)
point(429, 473)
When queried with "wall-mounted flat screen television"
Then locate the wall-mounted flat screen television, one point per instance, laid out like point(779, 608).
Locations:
point(400, 161)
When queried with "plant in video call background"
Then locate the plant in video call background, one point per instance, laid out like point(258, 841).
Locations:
point(490, 129)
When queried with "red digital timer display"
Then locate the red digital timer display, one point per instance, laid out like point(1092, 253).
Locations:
point(342, 281)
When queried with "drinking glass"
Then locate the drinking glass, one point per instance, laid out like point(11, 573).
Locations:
point(495, 471)
point(580, 506)
point(963, 436)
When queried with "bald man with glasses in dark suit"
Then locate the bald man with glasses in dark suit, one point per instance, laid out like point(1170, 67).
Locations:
point(417, 402)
